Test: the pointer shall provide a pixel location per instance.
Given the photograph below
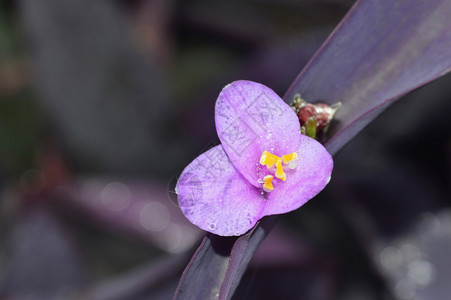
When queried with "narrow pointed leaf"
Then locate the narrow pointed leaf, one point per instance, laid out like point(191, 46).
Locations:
point(135, 208)
point(242, 252)
point(380, 51)
point(205, 272)
point(204, 277)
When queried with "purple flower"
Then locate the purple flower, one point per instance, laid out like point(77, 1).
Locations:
point(264, 165)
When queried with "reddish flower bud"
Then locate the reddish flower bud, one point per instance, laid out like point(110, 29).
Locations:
point(305, 113)
point(320, 113)
point(322, 119)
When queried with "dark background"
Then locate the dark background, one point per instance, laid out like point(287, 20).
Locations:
point(102, 104)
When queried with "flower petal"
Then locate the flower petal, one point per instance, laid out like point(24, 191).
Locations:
point(313, 171)
point(251, 118)
point(214, 196)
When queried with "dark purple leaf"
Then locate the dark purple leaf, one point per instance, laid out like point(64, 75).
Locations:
point(138, 209)
point(37, 244)
point(242, 253)
point(416, 265)
point(212, 260)
point(143, 282)
point(285, 259)
point(87, 65)
point(379, 52)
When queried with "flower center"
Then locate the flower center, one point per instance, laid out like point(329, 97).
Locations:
point(276, 165)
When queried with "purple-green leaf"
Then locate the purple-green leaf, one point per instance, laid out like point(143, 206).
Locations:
point(380, 51)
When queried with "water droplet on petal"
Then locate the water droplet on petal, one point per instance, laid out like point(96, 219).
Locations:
point(328, 179)
point(212, 226)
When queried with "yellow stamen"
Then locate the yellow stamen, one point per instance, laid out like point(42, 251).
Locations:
point(267, 186)
point(289, 157)
point(268, 159)
point(263, 157)
point(280, 173)
point(274, 165)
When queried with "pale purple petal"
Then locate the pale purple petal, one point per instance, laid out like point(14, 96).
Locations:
point(213, 195)
point(251, 118)
point(313, 171)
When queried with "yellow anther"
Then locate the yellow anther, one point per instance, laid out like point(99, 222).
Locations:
point(280, 173)
point(274, 165)
point(289, 157)
point(269, 159)
point(263, 157)
point(267, 186)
